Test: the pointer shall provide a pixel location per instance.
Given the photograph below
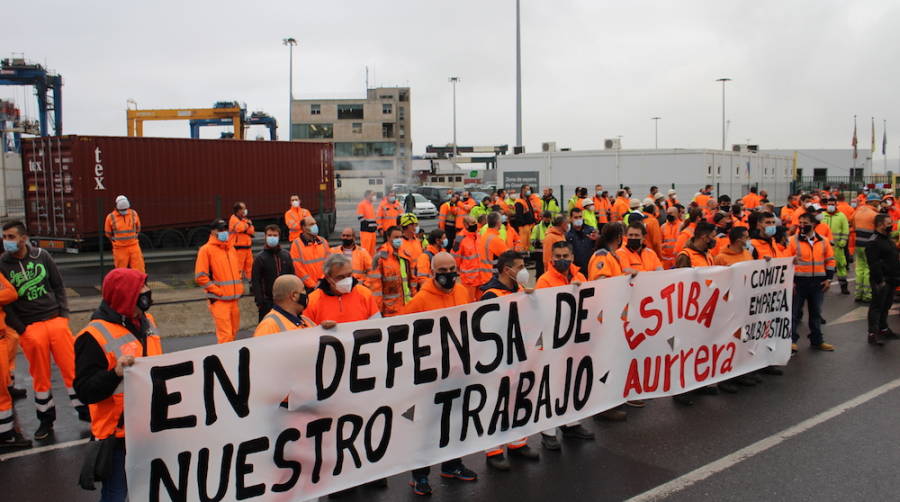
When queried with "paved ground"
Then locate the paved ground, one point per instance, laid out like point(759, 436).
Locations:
point(851, 455)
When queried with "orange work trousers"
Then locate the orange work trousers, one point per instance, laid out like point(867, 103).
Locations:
point(245, 261)
point(367, 241)
point(39, 341)
point(12, 347)
point(525, 235)
point(6, 403)
point(227, 316)
point(129, 257)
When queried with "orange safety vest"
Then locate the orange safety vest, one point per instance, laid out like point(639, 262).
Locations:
point(309, 259)
point(123, 229)
point(391, 280)
point(604, 264)
point(241, 232)
point(751, 200)
point(619, 209)
point(293, 220)
point(463, 207)
point(357, 305)
point(669, 238)
point(766, 248)
point(218, 271)
point(726, 257)
point(468, 259)
point(446, 216)
point(490, 246)
point(645, 261)
point(388, 214)
point(813, 260)
point(360, 260)
point(698, 259)
point(683, 237)
point(423, 264)
point(430, 297)
point(411, 249)
point(365, 213)
point(602, 208)
point(276, 322)
point(864, 224)
point(116, 341)
point(552, 278)
point(653, 237)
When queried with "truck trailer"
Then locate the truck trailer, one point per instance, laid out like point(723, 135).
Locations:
point(686, 171)
point(177, 186)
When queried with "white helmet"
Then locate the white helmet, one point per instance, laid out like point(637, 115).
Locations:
point(122, 203)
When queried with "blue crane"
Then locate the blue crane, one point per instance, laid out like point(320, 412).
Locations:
point(255, 118)
point(16, 71)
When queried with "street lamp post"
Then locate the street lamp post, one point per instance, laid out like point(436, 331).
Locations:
point(453, 81)
point(290, 43)
point(723, 80)
point(618, 147)
point(655, 131)
point(518, 78)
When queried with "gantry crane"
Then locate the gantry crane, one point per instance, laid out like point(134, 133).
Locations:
point(232, 113)
point(47, 86)
point(256, 118)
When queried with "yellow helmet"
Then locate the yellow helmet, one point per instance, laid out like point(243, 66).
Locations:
point(408, 219)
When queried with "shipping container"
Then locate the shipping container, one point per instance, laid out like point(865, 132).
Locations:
point(177, 186)
point(686, 171)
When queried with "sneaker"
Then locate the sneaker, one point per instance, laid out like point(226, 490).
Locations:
point(44, 430)
point(550, 442)
point(844, 289)
point(874, 339)
point(824, 347)
point(612, 415)
point(461, 473)
point(728, 387)
point(885, 334)
point(772, 370)
point(420, 486)
point(683, 399)
point(17, 393)
point(637, 403)
point(84, 413)
point(12, 439)
point(498, 462)
point(524, 452)
point(577, 432)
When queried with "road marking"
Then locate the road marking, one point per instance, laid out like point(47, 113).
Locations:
point(836, 283)
point(42, 449)
point(857, 314)
point(680, 483)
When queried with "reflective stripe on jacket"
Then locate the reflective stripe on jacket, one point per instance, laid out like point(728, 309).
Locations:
point(240, 232)
point(309, 259)
point(218, 271)
point(123, 229)
point(814, 259)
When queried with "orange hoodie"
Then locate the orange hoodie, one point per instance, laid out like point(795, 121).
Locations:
point(553, 278)
point(218, 271)
point(431, 297)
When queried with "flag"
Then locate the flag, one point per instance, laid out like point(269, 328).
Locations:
point(884, 139)
point(853, 142)
point(873, 134)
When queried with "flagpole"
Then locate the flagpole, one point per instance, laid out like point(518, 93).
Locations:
point(884, 144)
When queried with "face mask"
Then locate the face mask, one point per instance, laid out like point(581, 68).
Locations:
point(527, 193)
point(417, 230)
point(295, 203)
point(391, 199)
point(670, 218)
point(446, 280)
point(145, 301)
point(271, 241)
point(502, 218)
point(374, 199)
point(853, 204)
point(522, 277)
point(397, 242)
point(464, 198)
point(246, 213)
point(807, 204)
point(10, 246)
point(748, 246)
point(222, 236)
point(568, 227)
point(725, 208)
point(805, 229)
point(445, 243)
point(314, 229)
point(830, 208)
point(302, 300)
point(472, 228)
point(635, 244)
point(770, 231)
point(348, 243)
point(820, 217)
point(562, 266)
point(578, 222)
point(344, 285)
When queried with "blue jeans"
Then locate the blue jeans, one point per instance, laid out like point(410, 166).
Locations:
point(808, 291)
point(115, 489)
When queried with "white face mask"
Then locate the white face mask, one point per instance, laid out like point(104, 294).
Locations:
point(295, 203)
point(344, 285)
point(831, 208)
point(522, 277)
point(820, 217)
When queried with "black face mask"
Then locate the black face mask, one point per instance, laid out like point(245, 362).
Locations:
point(725, 208)
point(446, 279)
point(805, 229)
point(635, 244)
point(562, 266)
point(347, 242)
point(145, 301)
point(472, 228)
point(302, 300)
point(670, 218)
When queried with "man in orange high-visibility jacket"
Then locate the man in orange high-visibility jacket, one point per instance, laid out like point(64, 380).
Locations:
point(218, 271)
point(339, 297)
point(752, 200)
point(556, 233)
point(309, 252)
point(240, 233)
point(9, 436)
point(669, 231)
point(287, 312)
point(442, 291)
point(864, 230)
point(635, 255)
point(813, 270)
point(762, 237)
point(359, 257)
point(122, 227)
point(620, 207)
point(293, 218)
point(120, 331)
point(653, 234)
point(368, 225)
point(411, 245)
point(388, 211)
point(391, 278)
point(561, 272)
point(602, 206)
point(447, 216)
point(437, 242)
point(468, 258)
point(490, 246)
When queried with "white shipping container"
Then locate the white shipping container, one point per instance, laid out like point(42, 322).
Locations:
point(731, 173)
point(12, 201)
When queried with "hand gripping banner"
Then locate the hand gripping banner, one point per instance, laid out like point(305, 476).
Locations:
point(301, 414)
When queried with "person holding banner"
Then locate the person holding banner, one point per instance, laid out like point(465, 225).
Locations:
point(339, 297)
point(287, 313)
point(120, 331)
point(443, 291)
point(561, 273)
point(813, 271)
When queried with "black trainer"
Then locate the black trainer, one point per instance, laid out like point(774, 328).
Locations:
point(13, 440)
point(420, 486)
point(44, 430)
point(524, 452)
point(577, 431)
point(461, 473)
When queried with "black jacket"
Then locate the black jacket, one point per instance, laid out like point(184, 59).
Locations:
point(582, 244)
point(495, 283)
point(42, 295)
point(268, 264)
point(94, 381)
point(884, 260)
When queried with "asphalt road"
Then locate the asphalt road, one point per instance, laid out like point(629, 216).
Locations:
point(826, 430)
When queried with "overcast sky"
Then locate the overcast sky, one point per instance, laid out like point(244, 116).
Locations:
point(592, 69)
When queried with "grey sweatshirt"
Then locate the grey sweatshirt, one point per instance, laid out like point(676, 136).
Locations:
point(42, 295)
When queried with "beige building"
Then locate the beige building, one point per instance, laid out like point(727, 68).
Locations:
point(371, 136)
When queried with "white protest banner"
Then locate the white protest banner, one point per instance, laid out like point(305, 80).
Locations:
point(370, 399)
